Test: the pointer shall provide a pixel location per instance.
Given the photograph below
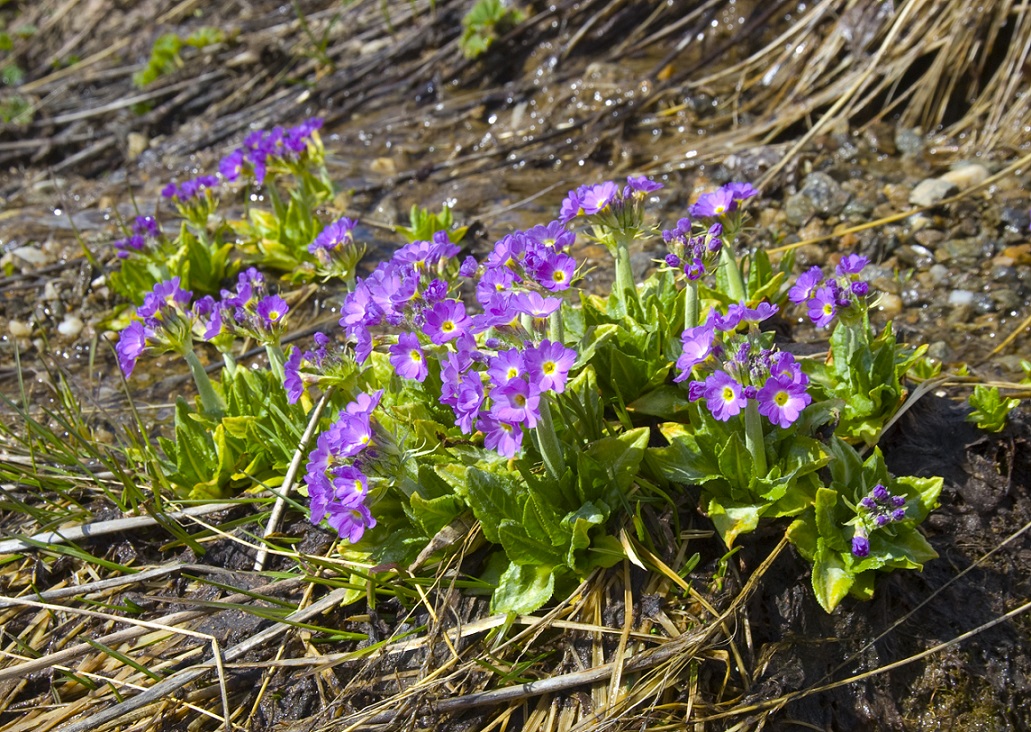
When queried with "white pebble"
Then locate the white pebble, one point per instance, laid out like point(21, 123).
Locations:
point(32, 255)
point(961, 297)
point(19, 329)
point(71, 326)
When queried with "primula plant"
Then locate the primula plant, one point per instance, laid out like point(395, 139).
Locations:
point(495, 389)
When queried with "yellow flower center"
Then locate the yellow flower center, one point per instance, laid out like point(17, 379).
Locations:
point(728, 394)
point(548, 367)
point(447, 326)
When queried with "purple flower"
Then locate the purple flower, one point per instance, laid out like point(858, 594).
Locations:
point(350, 519)
point(131, 344)
point(469, 267)
point(516, 402)
point(805, 286)
point(271, 310)
point(556, 272)
point(640, 184)
point(507, 365)
point(694, 268)
point(860, 546)
point(851, 264)
point(446, 321)
point(724, 396)
point(572, 206)
point(534, 305)
point(146, 226)
point(407, 358)
point(880, 493)
point(822, 307)
point(292, 381)
point(468, 399)
point(552, 235)
point(782, 400)
point(598, 197)
point(335, 234)
point(860, 288)
point(548, 365)
point(716, 203)
point(740, 191)
point(505, 438)
point(166, 294)
point(697, 342)
point(231, 165)
point(672, 260)
point(495, 280)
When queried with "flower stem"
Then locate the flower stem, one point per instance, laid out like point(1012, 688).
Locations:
point(208, 398)
point(754, 437)
point(691, 305)
point(734, 279)
point(548, 442)
point(556, 328)
point(625, 274)
point(276, 360)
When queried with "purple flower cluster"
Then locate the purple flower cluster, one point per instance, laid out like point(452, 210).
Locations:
point(338, 467)
point(696, 254)
point(303, 366)
point(494, 365)
point(877, 509)
point(144, 229)
point(189, 190)
point(249, 310)
point(828, 299)
point(163, 323)
point(262, 149)
point(606, 203)
point(722, 201)
point(739, 367)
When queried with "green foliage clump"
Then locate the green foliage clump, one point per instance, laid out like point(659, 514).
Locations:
point(989, 410)
point(482, 25)
point(165, 53)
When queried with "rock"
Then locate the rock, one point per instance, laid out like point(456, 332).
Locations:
point(889, 304)
point(826, 195)
point(799, 209)
point(1019, 254)
point(958, 298)
point(966, 176)
point(1006, 300)
point(32, 255)
point(19, 329)
point(1015, 217)
point(50, 292)
point(939, 273)
point(1003, 272)
point(71, 326)
point(931, 191)
point(929, 237)
point(909, 141)
point(939, 351)
point(960, 249)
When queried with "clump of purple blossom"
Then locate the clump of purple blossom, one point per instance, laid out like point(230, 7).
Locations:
point(187, 191)
point(338, 469)
point(250, 310)
point(164, 322)
point(695, 254)
point(840, 295)
point(606, 203)
point(723, 201)
point(876, 510)
point(145, 229)
point(262, 150)
point(738, 367)
point(494, 365)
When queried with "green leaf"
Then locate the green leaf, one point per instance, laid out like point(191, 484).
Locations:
point(524, 549)
point(580, 523)
point(733, 520)
point(493, 499)
point(666, 402)
point(803, 534)
point(433, 514)
point(523, 589)
point(831, 578)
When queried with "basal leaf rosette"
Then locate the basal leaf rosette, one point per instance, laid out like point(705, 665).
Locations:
point(864, 522)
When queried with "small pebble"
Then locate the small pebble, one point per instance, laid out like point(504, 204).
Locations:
point(931, 191)
point(960, 297)
point(19, 329)
point(909, 141)
point(50, 292)
point(32, 255)
point(889, 304)
point(71, 326)
point(966, 176)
